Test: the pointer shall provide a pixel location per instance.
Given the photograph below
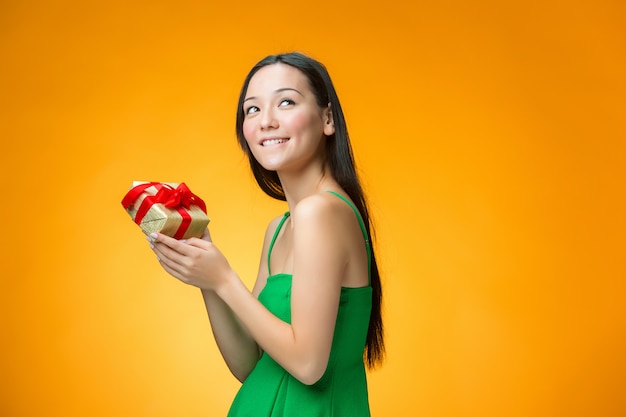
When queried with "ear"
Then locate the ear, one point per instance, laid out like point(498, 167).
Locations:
point(329, 123)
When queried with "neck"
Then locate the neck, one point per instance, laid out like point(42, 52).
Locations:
point(299, 185)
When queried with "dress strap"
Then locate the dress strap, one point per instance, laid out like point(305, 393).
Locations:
point(363, 230)
point(269, 252)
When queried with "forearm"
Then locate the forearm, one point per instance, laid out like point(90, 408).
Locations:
point(238, 348)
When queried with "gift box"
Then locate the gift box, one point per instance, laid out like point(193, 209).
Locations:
point(168, 208)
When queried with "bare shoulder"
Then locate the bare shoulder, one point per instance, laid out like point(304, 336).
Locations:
point(273, 224)
point(271, 229)
point(318, 204)
point(323, 210)
point(263, 265)
point(326, 230)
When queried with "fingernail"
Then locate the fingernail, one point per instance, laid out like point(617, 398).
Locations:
point(153, 235)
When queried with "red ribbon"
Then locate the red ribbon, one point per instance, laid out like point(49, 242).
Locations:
point(179, 198)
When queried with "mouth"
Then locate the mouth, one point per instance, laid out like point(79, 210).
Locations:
point(273, 141)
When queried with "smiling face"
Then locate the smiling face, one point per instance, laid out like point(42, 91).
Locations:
point(283, 124)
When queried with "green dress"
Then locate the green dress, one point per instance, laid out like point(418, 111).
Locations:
point(270, 391)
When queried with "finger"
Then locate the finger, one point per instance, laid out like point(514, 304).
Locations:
point(172, 271)
point(199, 243)
point(207, 235)
point(165, 253)
point(168, 255)
point(173, 262)
point(179, 246)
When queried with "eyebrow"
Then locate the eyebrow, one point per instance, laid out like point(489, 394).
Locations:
point(280, 90)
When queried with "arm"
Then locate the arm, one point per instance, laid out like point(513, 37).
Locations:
point(319, 263)
point(320, 256)
point(239, 350)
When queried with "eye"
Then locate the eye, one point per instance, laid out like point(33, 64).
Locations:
point(286, 102)
point(251, 109)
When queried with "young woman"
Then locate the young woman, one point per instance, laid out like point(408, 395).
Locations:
point(300, 340)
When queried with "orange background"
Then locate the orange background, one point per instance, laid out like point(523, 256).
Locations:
point(491, 140)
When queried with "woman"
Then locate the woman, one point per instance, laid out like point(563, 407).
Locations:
point(299, 340)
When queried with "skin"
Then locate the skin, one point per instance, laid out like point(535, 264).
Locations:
point(320, 244)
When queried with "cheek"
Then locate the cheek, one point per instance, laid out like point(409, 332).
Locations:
point(302, 122)
point(248, 131)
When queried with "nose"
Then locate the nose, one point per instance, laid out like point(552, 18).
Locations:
point(268, 120)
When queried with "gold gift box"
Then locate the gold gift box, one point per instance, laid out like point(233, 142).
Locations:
point(171, 209)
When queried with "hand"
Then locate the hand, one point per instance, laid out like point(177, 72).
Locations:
point(195, 261)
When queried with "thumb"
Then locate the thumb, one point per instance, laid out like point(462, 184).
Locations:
point(202, 243)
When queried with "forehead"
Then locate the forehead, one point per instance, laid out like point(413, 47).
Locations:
point(275, 77)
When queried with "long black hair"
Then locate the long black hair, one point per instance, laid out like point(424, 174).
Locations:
point(342, 168)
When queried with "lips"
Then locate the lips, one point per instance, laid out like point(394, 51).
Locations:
point(273, 141)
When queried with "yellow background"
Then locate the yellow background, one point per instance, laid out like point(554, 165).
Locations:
point(491, 140)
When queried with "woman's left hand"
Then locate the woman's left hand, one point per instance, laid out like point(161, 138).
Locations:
point(196, 262)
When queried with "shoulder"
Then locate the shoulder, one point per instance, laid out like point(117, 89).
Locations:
point(272, 226)
point(320, 205)
point(263, 266)
point(322, 211)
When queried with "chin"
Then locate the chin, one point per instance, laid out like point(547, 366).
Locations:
point(270, 166)
point(274, 162)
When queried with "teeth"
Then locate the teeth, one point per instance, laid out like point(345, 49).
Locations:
point(273, 142)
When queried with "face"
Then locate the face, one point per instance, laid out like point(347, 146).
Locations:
point(283, 125)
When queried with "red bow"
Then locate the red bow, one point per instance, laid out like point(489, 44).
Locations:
point(180, 198)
